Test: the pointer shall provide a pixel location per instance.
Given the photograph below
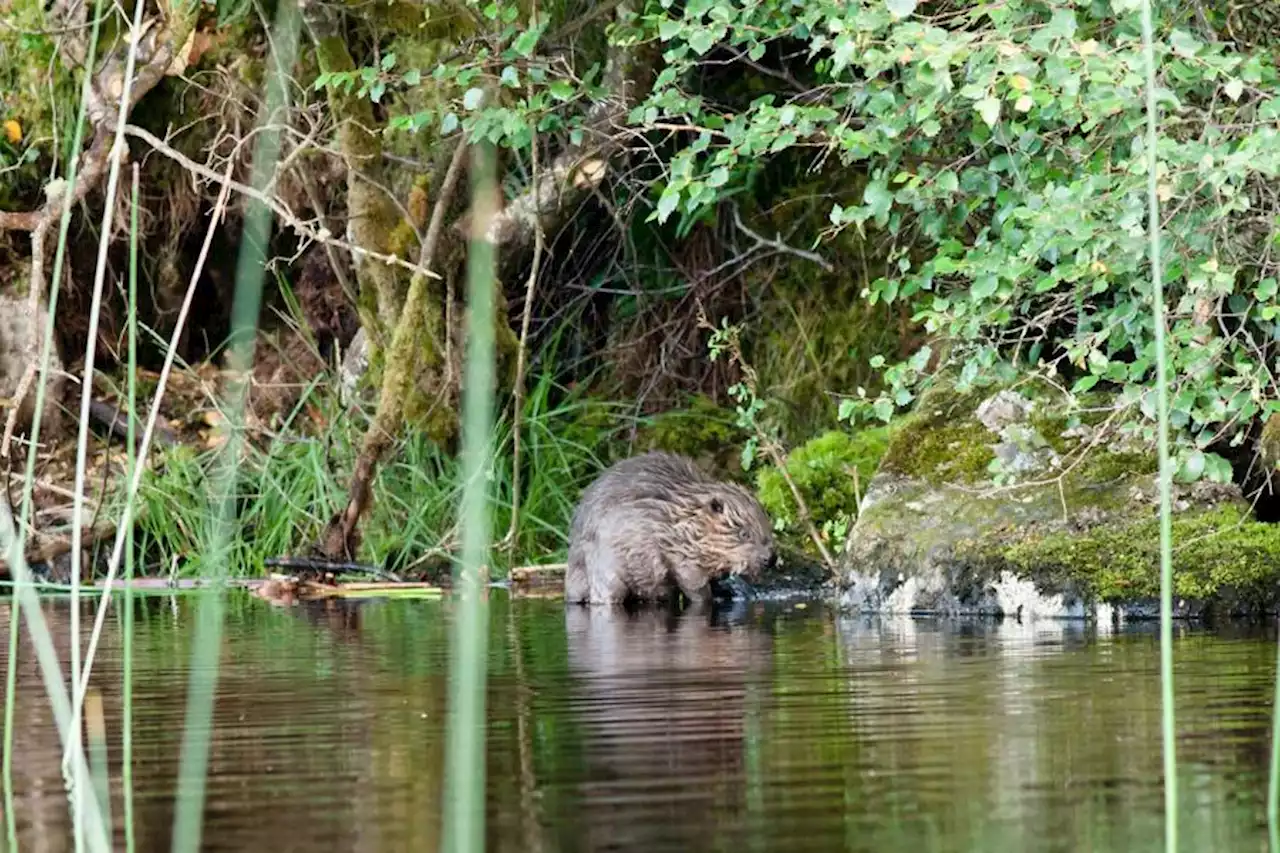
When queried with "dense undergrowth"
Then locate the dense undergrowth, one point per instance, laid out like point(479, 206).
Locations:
point(876, 194)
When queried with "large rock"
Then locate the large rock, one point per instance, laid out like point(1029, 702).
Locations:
point(997, 504)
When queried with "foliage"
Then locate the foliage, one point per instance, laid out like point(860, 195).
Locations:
point(995, 158)
point(37, 104)
point(831, 472)
point(1006, 174)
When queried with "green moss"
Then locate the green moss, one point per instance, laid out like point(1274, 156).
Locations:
point(1221, 549)
point(39, 94)
point(702, 426)
point(942, 441)
point(1105, 466)
point(831, 473)
point(703, 431)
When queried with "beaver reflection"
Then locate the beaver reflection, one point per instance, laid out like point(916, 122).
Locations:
point(662, 703)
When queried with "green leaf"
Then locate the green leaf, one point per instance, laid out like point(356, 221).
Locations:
point(510, 77)
point(1217, 469)
point(473, 98)
point(900, 8)
point(526, 42)
point(1266, 290)
point(1234, 88)
point(702, 40)
point(984, 287)
point(1184, 44)
point(561, 90)
point(845, 50)
point(412, 77)
point(668, 202)
point(989, 109)
point(669, 29)
point(878, 197)
point(1191, 467)
point(948, 182)
point(388, 61)
point(1084, 383)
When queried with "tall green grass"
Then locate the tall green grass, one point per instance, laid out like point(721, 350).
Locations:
point(464, 747)
point(126, 676)
point(292, 481)
point(1166, 469)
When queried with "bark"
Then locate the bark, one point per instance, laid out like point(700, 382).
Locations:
point(341, 538)
point(372, 215)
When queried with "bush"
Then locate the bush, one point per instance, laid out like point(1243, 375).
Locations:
point(831, 473)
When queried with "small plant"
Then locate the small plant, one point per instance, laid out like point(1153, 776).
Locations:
point(831, 472)
point(725, 340)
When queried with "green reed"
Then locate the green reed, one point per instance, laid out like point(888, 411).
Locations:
point(126, 699)
point(13, 531)
point(1166, 471)
point(250, 272)
point(10, 702)
point(1273, 787)
point(464, 756)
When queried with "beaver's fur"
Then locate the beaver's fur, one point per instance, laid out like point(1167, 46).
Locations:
point(655, 523)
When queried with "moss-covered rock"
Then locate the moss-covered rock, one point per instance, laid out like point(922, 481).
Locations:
point(1224, 562)
point(1007, 503)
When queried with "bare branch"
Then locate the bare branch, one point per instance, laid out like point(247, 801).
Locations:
point(779, 246)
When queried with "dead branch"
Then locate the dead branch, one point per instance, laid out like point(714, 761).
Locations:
point(579, 169)
point(287, 217)
point(341, 538)
point(517, 404)
point(777, 245)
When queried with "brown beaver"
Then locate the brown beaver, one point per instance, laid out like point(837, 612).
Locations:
point(654, 523)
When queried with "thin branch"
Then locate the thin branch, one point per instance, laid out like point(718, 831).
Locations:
point(339, 539)
point(521, 353)
point(779, 246)
point(126, 517)
point(279, 208)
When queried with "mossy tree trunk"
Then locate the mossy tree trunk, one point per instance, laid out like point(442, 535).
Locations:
point(413, 325)
point(423, 380)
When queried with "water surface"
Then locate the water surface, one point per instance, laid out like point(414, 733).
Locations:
point(766, 728)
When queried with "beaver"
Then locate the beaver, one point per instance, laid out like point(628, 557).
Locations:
point(654, 523)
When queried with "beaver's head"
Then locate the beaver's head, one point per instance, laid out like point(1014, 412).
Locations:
point(737, 533)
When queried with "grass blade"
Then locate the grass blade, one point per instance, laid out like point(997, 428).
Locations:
point(207, 640)
point(464, 757)
point(1166, 472)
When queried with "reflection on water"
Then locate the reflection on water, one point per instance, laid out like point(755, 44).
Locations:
point(769, 728)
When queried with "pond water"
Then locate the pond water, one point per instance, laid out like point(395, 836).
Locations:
point(767, 728)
